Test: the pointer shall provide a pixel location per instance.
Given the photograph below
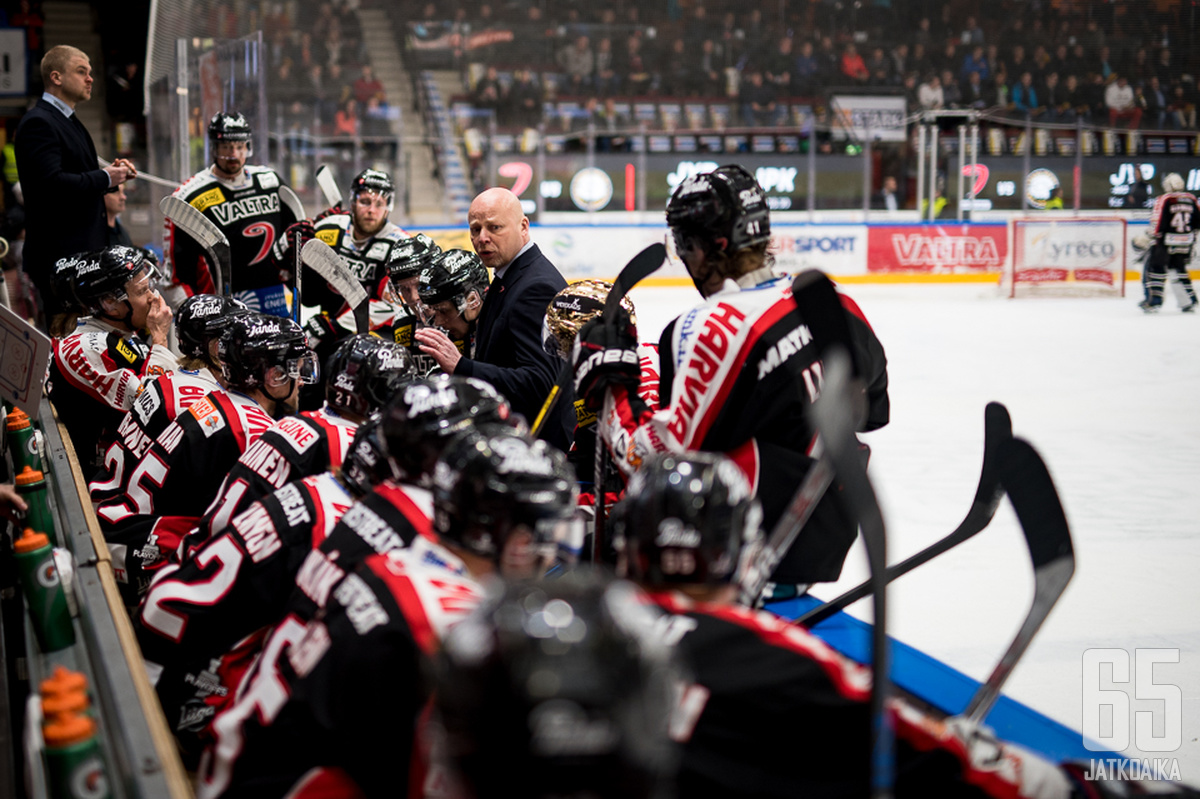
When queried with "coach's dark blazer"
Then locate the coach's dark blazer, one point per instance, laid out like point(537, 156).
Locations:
point(64, 192)
point(508, 343)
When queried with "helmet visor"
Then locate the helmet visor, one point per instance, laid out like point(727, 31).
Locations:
point(304, 368)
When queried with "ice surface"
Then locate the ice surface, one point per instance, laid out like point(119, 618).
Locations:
point(1110, 397)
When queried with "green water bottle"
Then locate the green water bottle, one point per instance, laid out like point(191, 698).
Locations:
point(31, 485)
point(23, 440)
point(49, 612)
point(73, 760)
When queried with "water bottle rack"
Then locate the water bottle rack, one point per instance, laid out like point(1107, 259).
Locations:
point(137, 747)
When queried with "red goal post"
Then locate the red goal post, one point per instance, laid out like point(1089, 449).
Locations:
point(1066, 256)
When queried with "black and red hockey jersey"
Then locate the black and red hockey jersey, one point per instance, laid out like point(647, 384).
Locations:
point(95, 376)
point(160, 401)
point(366, 260)
point(333, 708)
point(772, 711)
point(1174, 220)
point(738, 373)
point(217, 607)
point(298, 446)
point(174, 482)
point(252, 217)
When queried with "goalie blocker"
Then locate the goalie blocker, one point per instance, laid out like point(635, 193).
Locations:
point(1066, 257)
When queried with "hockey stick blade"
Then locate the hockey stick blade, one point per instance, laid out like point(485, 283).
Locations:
point(329, 187)
point(997, 428)
point(836, 420)
point(323, 260)
point(645, 263)
point(206, 234)
point(292, 203)
point(821, 311)
point(1044, 524)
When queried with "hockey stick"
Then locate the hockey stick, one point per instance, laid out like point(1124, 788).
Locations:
point(292, 203)
point(1040, 512)
point(328, 264)
point(207, 235)
point(836, 419)
point(821, 311)
point(643, 264)
point(329, 187)
point(997, 428)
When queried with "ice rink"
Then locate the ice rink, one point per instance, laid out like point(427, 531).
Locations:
point(1110, 397)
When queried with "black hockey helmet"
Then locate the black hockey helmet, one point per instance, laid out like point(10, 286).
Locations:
point(451, 276)
point(365, 465)
point(229, 127)
point(428, 412)
point(108, 273)
point(726, 203)
point(563, 688)
point(571, 308)
point(685, 518)
point(488, 482)
point(364, 372)
point(409, 256)
point(200, 319)
point(254, 343)
point(375, 181)
point(65, 278)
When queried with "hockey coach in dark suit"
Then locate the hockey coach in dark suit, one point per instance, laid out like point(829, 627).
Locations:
point(63, 185)
point(509, 352)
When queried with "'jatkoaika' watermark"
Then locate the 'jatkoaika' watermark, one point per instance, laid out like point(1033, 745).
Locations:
point(1108, 714)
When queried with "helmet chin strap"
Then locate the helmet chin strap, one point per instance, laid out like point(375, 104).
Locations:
point(127, 319)
point(281, 408)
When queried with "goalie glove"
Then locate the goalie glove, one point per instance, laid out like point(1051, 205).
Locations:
point(605, 355)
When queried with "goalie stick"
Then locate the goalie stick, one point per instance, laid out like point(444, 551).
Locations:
point(821, 311)
point(207, 235)
point(323, 260)
point(997, 428)
point(329, 187)
point(1044, 525)
point(836, 414)
point(643, 264)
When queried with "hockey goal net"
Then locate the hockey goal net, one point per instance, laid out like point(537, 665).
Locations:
point(1066, 257)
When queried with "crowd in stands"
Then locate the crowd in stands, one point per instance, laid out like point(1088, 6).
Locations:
point(1125, 63)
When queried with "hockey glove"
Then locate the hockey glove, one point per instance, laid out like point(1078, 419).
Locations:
point(319, 330)
point(605, 355)
point(282, 251)
point(334, 211)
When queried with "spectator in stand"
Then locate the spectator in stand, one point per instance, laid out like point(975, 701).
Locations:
point(924, 34)
point(1181, 111)
point(972, 34)
point(1025, 98)
point(1061, 62)
point(951, 93)
point(999, 94)
point(1154, 101)
point(367, 85)
point(345, 121)
point(976, 61)
point(888, 198)
point(1041, 63)
point(853, 67)
point(930, 94)
point(697, 27)
point(1119, 99)
point(918, 62)
point(994, 61)
point(974, 93)
point(114, 206)
point(1054, 97)
point(758, 101)
point(830, 63)
point(1018, 62)
point(710, 78)
point(1163, 69)
point(777, 71)
point(899, 56)
point(677, 75)
point(33, 23)
point(639, 78)
point(609, 122)
point(948, 59)
point(1095, 91)
point(579, 63)
point(524, 100)
point(1104, 64)
point(807, 71)
point(878, 62)
point(1141, 69)
point(608, 82)
point(376, 118)
point(1075, 98)
point(912, 97)
point(488, 91)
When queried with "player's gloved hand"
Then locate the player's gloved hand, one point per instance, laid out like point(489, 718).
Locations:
point(319, 330)
point(334, 211)
point(604, 356)
point(304, 229)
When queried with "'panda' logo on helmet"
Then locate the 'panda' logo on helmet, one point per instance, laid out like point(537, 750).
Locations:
point(674, 533)
point(517, 457)
point(421, 399)
point(264, 329)
point(202, 309)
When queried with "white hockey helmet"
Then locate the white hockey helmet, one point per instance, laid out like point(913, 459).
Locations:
point(1173, 181)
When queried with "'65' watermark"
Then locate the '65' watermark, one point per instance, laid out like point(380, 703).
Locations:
point(1109, 713)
